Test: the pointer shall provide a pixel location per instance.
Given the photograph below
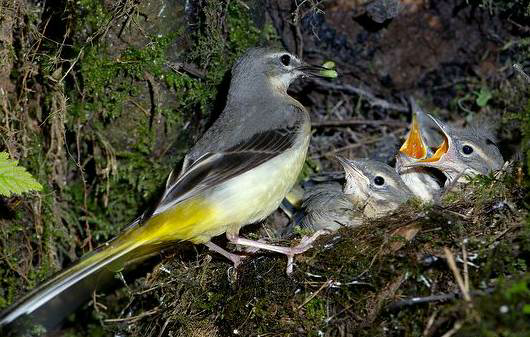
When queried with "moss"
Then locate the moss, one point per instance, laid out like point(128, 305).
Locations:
point(523, 117)
point(503, 313)
point(519, 9)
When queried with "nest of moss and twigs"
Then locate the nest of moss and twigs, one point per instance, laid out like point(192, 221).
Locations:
point(427, 269)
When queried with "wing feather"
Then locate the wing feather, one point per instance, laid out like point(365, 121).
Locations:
point(212, 169)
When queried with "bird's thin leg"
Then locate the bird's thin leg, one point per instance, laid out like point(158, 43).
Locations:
point(290, 252)
point(449, 185)
point(236, 259)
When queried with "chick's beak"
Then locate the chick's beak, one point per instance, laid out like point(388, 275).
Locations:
point(414, 146)
point(349, 166)
point(439, 158)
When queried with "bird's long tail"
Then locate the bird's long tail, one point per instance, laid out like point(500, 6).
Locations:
point(51, 302)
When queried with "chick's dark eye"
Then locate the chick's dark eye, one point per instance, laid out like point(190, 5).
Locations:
point(379, 181)
point(467, 149)
point(285, 59)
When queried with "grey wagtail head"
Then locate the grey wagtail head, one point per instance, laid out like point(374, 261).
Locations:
point(274, 69)
point(463, 151)
point(375, 185)
point(419, 180)
point(326, 207)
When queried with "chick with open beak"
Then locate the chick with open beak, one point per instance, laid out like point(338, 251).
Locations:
point(463, 152)
point(420, 180)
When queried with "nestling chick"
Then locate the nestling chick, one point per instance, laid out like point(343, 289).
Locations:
point(419, 180)
point(372, 189)
point(463, 152)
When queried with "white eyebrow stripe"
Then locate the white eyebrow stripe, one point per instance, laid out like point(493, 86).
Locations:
point(480, 152)
point(391, 182)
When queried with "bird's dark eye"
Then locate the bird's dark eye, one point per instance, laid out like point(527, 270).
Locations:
point(285, 59)
point(379, 181)
point(467, 149)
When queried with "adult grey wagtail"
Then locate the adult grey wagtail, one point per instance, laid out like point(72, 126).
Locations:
point(236, 174)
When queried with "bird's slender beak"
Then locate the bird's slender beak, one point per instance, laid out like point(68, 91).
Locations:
point(414, 146)
point(438, 159)
point(317, 71)
point(349, 166)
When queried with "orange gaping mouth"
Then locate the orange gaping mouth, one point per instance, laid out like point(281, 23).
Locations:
point(442, 149)
point(413, 146)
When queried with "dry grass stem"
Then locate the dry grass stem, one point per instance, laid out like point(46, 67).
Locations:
point(452, 265)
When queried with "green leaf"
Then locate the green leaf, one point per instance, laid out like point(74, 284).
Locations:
point(329, 65)
point(328, 70)
point(483, 97)
point(15, 179)
point(526, 309)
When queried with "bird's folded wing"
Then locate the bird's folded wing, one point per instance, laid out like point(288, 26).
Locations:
point(327, 210)
point(212, 169)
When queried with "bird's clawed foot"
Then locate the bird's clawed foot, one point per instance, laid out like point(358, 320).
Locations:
point(290, 252)
point(235, 258)
point(305, 243)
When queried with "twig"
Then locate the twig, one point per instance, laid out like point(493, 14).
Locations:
point(430, 322)
point(452, 265)
point(299, 39)
point(324, 285)
point(243, 4)
point(188, 68)
point(456, 327)
point(132, 318)
point(374, 101)
point(147, 113)
point(435, 298)
point(96, 304)
point(350, 146)
point(327, 320)
point(501, 235)
point(466, 274)
point(520, 70)
point(160, 334)
point(72, 64)
point(156, 114)
point(383, 295)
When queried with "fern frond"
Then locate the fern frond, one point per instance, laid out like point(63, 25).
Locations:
point(15, 179)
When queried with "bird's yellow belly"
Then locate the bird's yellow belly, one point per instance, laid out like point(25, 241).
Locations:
point(242, 200)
